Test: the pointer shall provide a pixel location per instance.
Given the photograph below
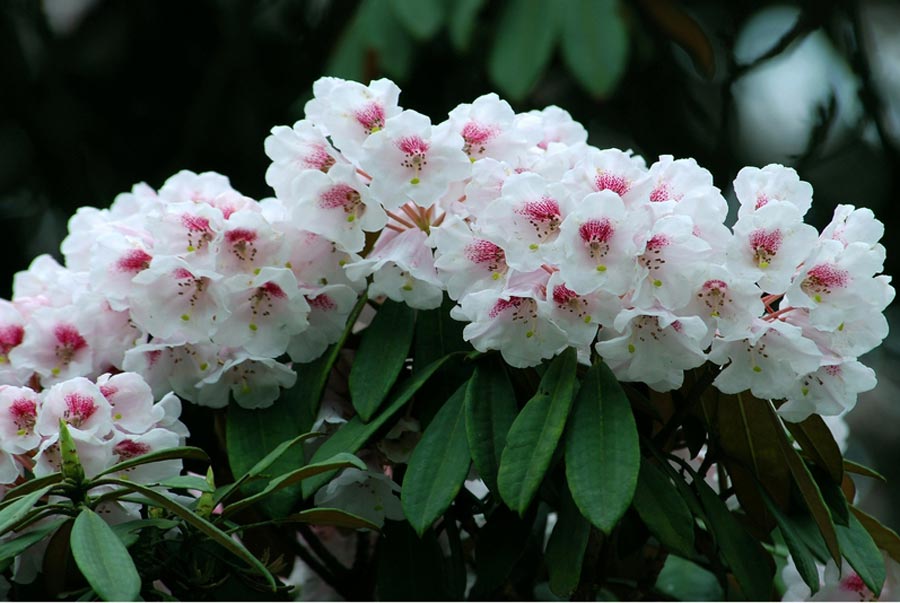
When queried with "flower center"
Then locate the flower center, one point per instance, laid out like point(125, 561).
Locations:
point(765, 245)
point(371, 117)
point(611, 182)
point(79, 408)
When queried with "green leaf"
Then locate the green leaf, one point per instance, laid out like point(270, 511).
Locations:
point(565, 549)
point(463, 16)
point(18, 509)
point(663, 510)
point(595, 43)
point(204, 526)
point(382, 351)
point(490, 411)
point(325, 516)
point(19, 544)
point(684, 580)
point(438, 465)
point(749, 562)
point(862, 554)
point(341, 460)
point(186, 482)
point(858, 469)
point(30, 486)
point(885, 538)
point(128, 532)
point(71, 464)
point(803, 557)
point(421, 18)
point(809, 490)
point(354, 433)
point(103, 559)
point(183, 452)
point(603, 455)
point(816, 440)
point(524, 45)
point(535, 433)
point(265, 439)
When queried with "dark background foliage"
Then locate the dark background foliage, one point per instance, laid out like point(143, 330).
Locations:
point(124, 91)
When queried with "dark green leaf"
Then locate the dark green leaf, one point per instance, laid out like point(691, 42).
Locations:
point(602, 452)
point(524, 45)
point(409, 568)
point(663, 510)
point(565, 549)
point(18, 509)
point(862, 554)
point(128, 532)
point(595, 43)
point(438, 466)
point(422, 18)
point(535, 433)
point(382, 351)
point(816, 440)
point(323, 516)
point(204, 526)
point(802, 556)
point(858, 469)
point(809, 490)
point(103, 559)
point(30, 486)
point(21, 543)
point(183, 452)
point(463, 16)
point(490, 411)
point(353, 434)
point(341, 460)
point(684, 580)
point(885, 538)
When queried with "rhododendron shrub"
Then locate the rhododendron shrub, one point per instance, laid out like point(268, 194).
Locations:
point(521, 334)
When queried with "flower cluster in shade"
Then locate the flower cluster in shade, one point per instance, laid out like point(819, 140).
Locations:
point(110, 420)
point(543, 241)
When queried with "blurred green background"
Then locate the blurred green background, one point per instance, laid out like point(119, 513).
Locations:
point(96, 95)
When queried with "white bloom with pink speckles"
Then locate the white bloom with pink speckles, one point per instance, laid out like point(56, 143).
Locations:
point(599, 244)
point(12, 333)
point(465, 261)
point(558, 128)
point(131, 402)
point(349, 113)
point(295, 151)
point(653, 346)
point(831, 390)
point(337, 205)
point(488, 128)
point(55, 346)
point(769, 244)
point(18, 416)
point(755, 188)
point(852, 225)
point(80, 404)
point(255, 382)
point(610, 170)
point(411, 160)
point(115, 261)
point(727, 304)
point(329, 308)
point(579, 315)
point(842, 584)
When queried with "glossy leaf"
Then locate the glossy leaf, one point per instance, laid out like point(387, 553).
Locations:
point(749, 562)
point(809, 490)
point(524, 45)
point(862, 554)
point(462, 19)
point(354, 433)
point(324, 516)
point(535, 434)
point(438, 465)
point(30, 486)
point(490, 407)
point(182, 452)
point(816, 441)
point(382, 351)
point(565, 549)
point(884, 537)
point(129, 532)
point(602, 451)
point(201, 524)
point(595, 43)
point(341, 460)
point(12, 514)
point(663, 510)
point(103, 559)
point(422, 18)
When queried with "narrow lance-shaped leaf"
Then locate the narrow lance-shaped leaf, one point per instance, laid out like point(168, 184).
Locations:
point(379, 359)
point(535, 433)
point(602, 450)
point(803, 558)
point(324, 516)
point(884, 537)
point(354, 433)
point(422, 18)
point(183, 452)
point(438, 465)
point(17, 510)
point(490, 411)
point(663, 511)
point(817, 441)
point(103, 559)
point(862, 554)
point(462, 19)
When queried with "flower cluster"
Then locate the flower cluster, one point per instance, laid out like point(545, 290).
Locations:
point(546, 242)
point(196, 287)
point(110, 420)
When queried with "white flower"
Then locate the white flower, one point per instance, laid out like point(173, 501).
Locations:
point(755, 188)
